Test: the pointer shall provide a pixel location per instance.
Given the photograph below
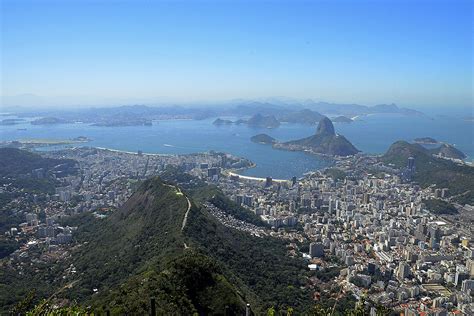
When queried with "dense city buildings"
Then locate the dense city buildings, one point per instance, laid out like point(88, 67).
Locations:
point(374, 229)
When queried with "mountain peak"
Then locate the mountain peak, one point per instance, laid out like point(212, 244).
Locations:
point(325, 141)
point(325, 127)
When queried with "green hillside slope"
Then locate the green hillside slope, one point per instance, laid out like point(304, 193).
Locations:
point(143, 250)
point(431, 170)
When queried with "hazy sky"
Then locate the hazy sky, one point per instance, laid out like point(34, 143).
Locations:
point(408, 52)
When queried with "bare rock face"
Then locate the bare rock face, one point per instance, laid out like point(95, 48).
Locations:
point(325, 127)
point(325, 141)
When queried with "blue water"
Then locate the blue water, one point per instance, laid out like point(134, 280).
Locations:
point(375, 133)
point(371, 134)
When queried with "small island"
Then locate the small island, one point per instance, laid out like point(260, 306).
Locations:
point(258, 120)
point(425, 140)
point(263, 139)
point(81, 139)
point(342, 119)
point(48, 121)
point(12, 121)
point(124, 122)
point(220, 121)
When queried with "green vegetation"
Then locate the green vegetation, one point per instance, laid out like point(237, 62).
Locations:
point(35, 282)
point(328, 274)
point(201, 192)
point(7, 246)
point(8, 218)
point(359, 308)
point(263, 139)
point(17, 176)
point(142, 251)
point(17, 166)
point(459, 179)
point(215, 196)
point(139, 251)
point(191, 283)
point(335, 173)
point(440, 207)
point(258, 264)
point(144, 233)
point(448, 151)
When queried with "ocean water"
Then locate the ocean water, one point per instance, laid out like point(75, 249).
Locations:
point(371, 134)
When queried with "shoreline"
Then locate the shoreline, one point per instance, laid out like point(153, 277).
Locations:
point(134, 153)
point(230, 173)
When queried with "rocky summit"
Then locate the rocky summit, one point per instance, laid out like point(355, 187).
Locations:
point(325, 142)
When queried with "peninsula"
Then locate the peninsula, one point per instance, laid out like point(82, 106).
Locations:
point(325, 142)
point(342, 119)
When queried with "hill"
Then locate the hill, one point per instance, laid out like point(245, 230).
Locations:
point(163, 244)
point(263, 139)
point(48, 121)
point(448, 151)
point(220, 121)
point(16, 162)
point(304, 116)
point(459, 179)
point(23, 172)
point(342, 119)
point(325, 141)
point(259, 120)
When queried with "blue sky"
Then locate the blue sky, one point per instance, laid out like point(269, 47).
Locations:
point(413, 53)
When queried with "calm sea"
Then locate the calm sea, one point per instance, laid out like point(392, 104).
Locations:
point(371, 134)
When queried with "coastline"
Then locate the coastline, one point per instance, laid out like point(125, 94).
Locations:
point(230, 173)
point(135, 153)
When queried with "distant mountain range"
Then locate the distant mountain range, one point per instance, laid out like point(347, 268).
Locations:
point(257, 120)
point(305, 116)
point(304, 112)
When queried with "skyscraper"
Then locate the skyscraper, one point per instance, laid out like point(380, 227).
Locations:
point(403, 270)
point(411, 164)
